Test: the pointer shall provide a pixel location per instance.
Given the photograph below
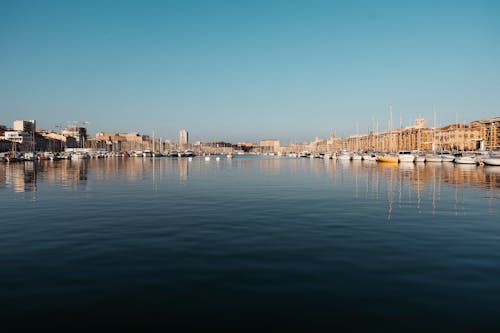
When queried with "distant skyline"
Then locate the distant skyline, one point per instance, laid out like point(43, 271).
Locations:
point(235, 71)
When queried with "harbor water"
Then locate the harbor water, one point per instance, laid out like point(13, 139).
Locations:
point(249, 243)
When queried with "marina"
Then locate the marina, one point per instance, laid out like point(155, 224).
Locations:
point(250, 166)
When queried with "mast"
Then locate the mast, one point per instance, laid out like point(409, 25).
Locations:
point(390, 129)
point(434, 131)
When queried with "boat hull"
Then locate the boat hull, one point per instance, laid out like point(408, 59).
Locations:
point(492, 161)
point(387, 159)
point(433, 159)
point(465, 160)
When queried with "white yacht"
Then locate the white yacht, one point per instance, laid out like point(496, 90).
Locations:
point(420, 158)
point(433, 158)
point(79, 156)
point(492, 159)
point(344, 155)
point(465, 159)
point(369, 157)
point(357, 157)
point(446, 156)
point(406, 156)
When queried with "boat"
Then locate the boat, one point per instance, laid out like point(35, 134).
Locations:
point(344, 155)
point(173, 153)
point(420, 158)
point(28, 156)
point(492, 159)
point(461, 158)
point(448, 158)
point(304, 154)
point(357, 157)
point(433, 158)
point(495, 161)
point(388, 159)
point(369, 157)
point(189, 153)
point(80, 156)
point(406, 156)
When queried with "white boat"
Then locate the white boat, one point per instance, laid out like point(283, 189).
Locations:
point(229, 156)
point(357, 157)
point(420, 158)
point(29, 156)
point(369, 157)
point(344, 155)
point(173, 153)
point(492, 161)
point(465, 159)
point(447, 158)
point(304, 154)
point(433, 158)
point(406, 156)
point(80, 156)
point(189, 153)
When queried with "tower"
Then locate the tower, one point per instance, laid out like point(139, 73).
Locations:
point(183, 137)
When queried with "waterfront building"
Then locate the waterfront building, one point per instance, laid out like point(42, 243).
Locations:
point(16, 140)
point(76, 132)
point(478, 135)
point(269, 146)
point(489, 133)
point(183, 138)
point(26, 129)
point(28, 126)
point(50, 141)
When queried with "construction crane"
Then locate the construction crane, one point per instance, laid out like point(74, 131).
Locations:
point(78, 123)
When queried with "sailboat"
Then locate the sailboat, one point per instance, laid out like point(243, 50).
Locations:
point(433, 158)
point(389, 158)
point(492, 159)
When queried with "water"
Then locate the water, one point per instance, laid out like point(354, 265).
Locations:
point(249, 244)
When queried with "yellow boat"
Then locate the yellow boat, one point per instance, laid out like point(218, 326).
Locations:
point(388, 159)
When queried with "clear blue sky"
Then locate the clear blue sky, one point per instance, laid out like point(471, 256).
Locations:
point(234, 70)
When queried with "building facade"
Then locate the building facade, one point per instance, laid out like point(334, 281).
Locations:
point(183, 138)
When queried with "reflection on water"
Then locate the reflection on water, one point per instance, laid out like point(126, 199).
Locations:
point(408, 182)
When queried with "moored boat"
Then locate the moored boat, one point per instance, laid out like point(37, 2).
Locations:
point(357, 157)
point(492, 159)
point(388, 159)
point(465, 159)
point(433, 158)
point(420, 158)
point(406, 156)
point(369, 157)
point(344, 155)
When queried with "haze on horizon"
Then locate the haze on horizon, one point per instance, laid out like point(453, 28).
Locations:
point(233, 71)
